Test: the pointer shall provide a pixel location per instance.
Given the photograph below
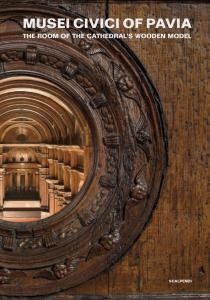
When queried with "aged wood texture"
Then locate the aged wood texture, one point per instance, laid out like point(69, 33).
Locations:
point(175, 244)
point(127, 168)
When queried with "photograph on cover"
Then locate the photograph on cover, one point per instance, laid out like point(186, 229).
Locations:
point(104, 190)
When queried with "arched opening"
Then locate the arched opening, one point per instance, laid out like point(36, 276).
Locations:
point(45, 149)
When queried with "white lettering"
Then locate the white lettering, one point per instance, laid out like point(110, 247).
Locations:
point(138, 22)
point(167, 23)
point(150, 22)
point(78, 23)
point(112, 21)
point(186, 23)
point(29, 23)
point(51, 23)
point(128, 23)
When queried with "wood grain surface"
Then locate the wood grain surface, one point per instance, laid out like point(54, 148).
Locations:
point(175, 243)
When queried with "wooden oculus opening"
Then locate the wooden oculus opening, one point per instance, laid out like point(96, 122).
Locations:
point(45, 149)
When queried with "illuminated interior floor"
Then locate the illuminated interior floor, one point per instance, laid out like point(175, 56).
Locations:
point(22, 204)
point(22, 211)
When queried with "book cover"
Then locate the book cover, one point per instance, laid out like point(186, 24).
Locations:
point(104, 150)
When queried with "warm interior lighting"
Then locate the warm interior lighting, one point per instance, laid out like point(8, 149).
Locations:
point(45, 149)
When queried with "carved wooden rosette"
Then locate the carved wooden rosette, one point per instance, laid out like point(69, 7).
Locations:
point(114, 94)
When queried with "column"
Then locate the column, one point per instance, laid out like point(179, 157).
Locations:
point(18, 181)
point(74, 182)
point(51, 201)
point(51, 168)
point(55, 168)
point(2, 173)
point(73, 159)
point(56, 201)
point(60, 172)
point(44, 201)
point(10, 181)
point(37, 181)
point(34, 180)
point(66, 177)
point(26, 181)
point(43, 187)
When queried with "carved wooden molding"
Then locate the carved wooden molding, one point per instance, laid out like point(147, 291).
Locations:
point(124, 114)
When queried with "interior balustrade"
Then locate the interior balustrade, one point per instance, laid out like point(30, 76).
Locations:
point(52, 175)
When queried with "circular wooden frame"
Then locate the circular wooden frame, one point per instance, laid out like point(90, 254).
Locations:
point(123, 110)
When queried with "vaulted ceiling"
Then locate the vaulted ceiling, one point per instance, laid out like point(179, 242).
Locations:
point(33, 110)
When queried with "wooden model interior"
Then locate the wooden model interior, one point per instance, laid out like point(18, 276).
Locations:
point(44, 152)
